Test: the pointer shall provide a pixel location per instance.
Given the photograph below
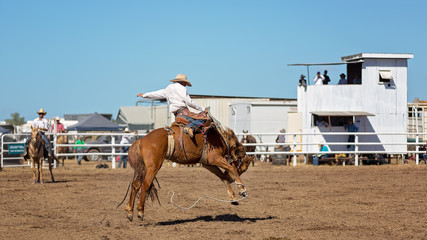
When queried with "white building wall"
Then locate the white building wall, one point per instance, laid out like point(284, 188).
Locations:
point(219, 107)
point(269, 119)
point(387, 103)
point(261, 117)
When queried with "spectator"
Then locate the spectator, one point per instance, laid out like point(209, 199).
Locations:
point(350, 127)
point(424, 155)
point(126, 139)
point(302, 81)
point(342, 80)
point(323, 123)
point(327, 79)
point(80, 149)
point(281, 139)
point(318, 80)
point(59, 126)
point(357, 80)
point(322, 148)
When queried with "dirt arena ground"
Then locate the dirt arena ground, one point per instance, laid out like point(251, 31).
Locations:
point(306, 202)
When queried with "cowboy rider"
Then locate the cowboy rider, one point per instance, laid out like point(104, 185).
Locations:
point(59, 126)
point(178, 100)
point(43, 125)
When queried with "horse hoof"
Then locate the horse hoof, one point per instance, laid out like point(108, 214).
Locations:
point(141, 216)
point(130, 217)
point(244, 194)
point(235, 203)
point(33, 182)
point(41, 182)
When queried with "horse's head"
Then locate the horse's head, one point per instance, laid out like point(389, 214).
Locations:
point(244, 163)
point(35, 133)
point(238, 153)
point(245, 137)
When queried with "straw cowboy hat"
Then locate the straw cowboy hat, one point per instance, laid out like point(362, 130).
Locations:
point(282, 130)
point(41, 111)
point(57, 118)
point(181, 78)
point(127, 130)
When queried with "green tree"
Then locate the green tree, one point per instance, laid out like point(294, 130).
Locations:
point(16, 120)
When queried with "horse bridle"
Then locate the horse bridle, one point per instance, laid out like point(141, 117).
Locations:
point(38, 139)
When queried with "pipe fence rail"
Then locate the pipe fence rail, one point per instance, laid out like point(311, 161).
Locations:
point(262, 147)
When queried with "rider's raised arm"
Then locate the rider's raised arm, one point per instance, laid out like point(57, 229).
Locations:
point(160, 94)
point(186, 98)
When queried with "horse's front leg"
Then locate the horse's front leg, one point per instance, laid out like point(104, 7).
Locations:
point(232, 171)
point(34, 170)
point(41, 169)
point(224, 178)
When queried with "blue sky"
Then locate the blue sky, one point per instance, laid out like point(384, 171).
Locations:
point(86, 56)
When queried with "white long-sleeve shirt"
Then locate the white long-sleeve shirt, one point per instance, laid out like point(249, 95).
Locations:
point(319, 79)
point(176, 95)
point(126, 139)
point(43, 123)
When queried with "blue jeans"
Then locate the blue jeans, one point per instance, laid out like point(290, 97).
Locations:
point(194, 123)
point(123, 158)
point(80, 157)
point(316, 160)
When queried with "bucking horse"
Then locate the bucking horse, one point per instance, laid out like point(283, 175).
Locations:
point(216, 148)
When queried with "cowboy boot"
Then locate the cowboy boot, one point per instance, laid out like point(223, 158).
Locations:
point(189, 131)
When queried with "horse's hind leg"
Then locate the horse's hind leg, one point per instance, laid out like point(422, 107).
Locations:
point(50, 162)
point(146, 184)
point(224, 178)
point(136, 185)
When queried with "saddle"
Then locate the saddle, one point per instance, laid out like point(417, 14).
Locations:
point(185, 112)
point(181, 122)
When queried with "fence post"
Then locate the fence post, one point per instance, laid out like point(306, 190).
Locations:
point(1, 150)
point(356, 149)
point(55, 151)
point(417, 148)
point(113, 151)
point(295, 150)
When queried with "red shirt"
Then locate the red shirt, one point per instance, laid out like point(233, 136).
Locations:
point(59, 127)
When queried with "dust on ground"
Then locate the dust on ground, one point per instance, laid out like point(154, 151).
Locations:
point(305, 202)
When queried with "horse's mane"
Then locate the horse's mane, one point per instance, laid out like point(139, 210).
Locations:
point(233, 142)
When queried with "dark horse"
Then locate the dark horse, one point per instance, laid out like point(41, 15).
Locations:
point(36, 152)
point(249, 139)
point(146, 156)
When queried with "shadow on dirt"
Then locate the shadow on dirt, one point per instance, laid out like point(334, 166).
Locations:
point(219, 218)
point(60, 181)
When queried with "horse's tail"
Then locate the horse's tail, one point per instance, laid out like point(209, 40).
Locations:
point(140, 171)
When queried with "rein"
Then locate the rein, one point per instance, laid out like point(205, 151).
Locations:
point(200, 198)
point(38, 142)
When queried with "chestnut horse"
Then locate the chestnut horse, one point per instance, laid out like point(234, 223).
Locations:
point(36, 152)
point(146, 156)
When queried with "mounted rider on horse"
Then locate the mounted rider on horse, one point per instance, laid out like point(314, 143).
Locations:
point(43, 125)
point(178, 100)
